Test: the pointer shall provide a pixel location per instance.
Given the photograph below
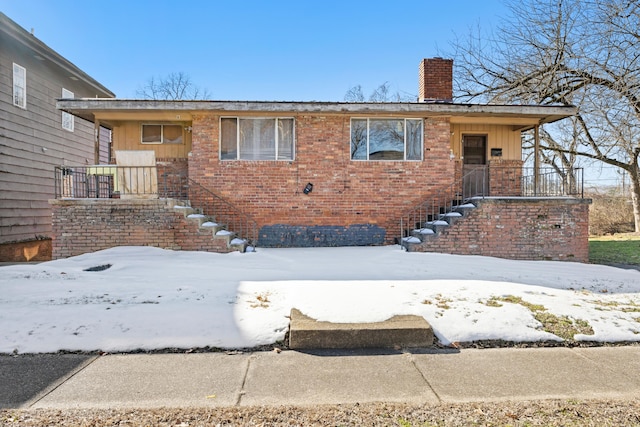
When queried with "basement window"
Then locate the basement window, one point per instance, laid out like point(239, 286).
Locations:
point(161, 134)
point(386, 139)
point(256, 138)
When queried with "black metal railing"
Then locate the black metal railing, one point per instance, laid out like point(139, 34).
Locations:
point(105, 181)
point(496, 181)
point(224, 212)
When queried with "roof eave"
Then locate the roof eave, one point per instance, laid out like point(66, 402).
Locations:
point(544, 114)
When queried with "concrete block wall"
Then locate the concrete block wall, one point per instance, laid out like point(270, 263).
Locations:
point(88, 225)
point(519, 228)
point(345, 193)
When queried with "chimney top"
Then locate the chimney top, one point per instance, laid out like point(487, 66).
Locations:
point(435, 82)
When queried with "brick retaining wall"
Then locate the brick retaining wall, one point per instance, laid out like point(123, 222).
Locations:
point(88, 225)
point(519, 228)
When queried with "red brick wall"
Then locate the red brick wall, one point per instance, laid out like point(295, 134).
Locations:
point(519, 228)
point(505, 177)
point(435, 79)
point(345, 192)
point(88, 225)
point(172, 177)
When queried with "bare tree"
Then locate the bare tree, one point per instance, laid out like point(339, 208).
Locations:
point(381, 94)
point(175, 86)
point(570, 52)
point(354, 94)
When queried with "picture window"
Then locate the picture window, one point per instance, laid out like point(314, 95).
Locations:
point(256, 138)
point(386, 139)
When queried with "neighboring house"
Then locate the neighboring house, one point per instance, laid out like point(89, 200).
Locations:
point(330, 174)
point(35, 137)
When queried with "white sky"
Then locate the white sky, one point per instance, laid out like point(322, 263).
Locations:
point(152, 298)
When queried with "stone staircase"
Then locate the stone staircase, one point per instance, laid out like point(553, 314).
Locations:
point(208, 226)
point(432, 226)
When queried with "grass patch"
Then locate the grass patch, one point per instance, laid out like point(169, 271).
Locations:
point(628, 307)
point(262, 301)
point(516, 300)
point(563, 326)
point(616, 249)
point(560, 326)
point(440, 302)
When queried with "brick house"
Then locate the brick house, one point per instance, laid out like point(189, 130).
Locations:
point(291, 174)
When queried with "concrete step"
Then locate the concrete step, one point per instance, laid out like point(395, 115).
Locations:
point(405, 331)
point(185, 210)
point(211, 226)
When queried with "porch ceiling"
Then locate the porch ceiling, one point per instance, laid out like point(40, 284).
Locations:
point(519, 116)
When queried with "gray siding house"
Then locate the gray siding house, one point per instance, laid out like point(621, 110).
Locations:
point(35, 137)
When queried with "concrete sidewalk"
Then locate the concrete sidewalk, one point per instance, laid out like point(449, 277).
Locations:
point(311, 378)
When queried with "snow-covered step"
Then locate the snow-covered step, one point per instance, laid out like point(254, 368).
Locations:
point(423, 234)
point(225, 234)
point(198, 218)
point(436, 225)
point(211, 226)
point(465, 208)
point(451, 217)
point(185, 210)
point(239, 244)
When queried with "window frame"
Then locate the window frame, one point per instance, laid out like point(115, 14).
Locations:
point(368, 129)
point(19, 84)
point(68, 120)
point(276, 138)
point(162, 141)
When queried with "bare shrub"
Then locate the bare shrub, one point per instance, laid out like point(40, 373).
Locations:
point(610, 213)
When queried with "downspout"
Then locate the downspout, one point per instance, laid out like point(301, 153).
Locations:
point(536, 159)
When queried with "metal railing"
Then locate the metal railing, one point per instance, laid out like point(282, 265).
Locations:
point(497, 181)
point(105, 181)
point(224, 212)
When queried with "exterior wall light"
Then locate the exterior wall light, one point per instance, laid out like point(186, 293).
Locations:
point(308, 188)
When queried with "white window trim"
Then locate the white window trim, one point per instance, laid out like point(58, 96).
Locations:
point(162, 125)
point(68, 120)
point(22, 84)
point(404, 159)
point(293, 143)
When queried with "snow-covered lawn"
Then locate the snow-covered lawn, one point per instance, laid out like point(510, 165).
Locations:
point(152, 298)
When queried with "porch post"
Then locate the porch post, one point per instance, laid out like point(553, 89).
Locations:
point(96, 142)
point(536, 158)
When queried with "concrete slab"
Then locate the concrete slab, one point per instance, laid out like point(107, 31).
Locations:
point(520, 374)
point(399, 331)
point(313, 379)
point(151, 381)
point(615, 363)
point(27, 377)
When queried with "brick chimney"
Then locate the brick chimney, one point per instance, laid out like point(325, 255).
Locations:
point(435, 80)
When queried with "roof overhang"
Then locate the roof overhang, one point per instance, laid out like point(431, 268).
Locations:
point(521, 117)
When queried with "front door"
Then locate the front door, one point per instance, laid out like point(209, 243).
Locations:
point(474, 169)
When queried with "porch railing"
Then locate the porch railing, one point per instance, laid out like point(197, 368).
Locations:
point(112, 181)
point(497, 181)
